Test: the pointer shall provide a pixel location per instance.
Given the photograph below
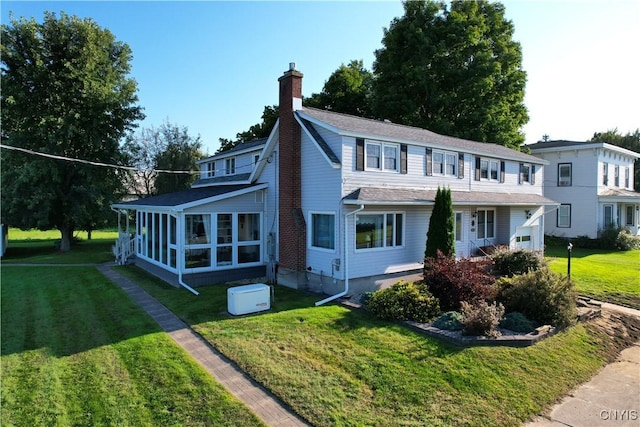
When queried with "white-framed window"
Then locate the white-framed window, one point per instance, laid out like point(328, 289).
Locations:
point(616, 176)
point(379, 230)
point(486, 223)
point(458, 226)
point(525, 173)
point(607, 218)
point(197, 238)
point(629, 215)
point(382, 156)
point(564, 175)
point(605, 173)
point(444, 163)
point(563, 219)
point(256, 157)
point(210, 169)
point(626, 178)
point(489, 170)
point(323, 230)
point(230, 166)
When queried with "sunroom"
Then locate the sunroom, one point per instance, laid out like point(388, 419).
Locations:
point(199, 236)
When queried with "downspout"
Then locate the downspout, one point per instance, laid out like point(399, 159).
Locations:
point(346, 261)
point(180, 258)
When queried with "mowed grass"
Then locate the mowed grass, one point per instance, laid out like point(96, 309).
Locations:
point(38, 247)
point(337, 366)
point(76, 350)
point(605, 275)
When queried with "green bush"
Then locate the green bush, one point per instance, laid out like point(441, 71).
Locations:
point(508, 262)
point(541, 295)
point(517, 322)
point(627, 241)
point(481, 318)
point(449, 321)
point(404, 301)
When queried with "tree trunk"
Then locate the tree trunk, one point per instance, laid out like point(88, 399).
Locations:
point(88, 234)
point(67, 236)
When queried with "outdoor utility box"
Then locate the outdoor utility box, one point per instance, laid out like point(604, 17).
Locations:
point(248, 299)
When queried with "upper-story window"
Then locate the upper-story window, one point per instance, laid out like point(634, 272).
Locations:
point(564, 175)
point(382, 156)
point(444, 163)
point(209, 169)
point(626, 178)
point(489, 169)
point(256, 157)
point(616, 176)
point(230, 166)
point(527, 173)
point(605, 173)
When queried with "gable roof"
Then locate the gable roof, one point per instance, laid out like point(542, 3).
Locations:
point(410, 196)
point(326, 151)
point(195, 196)
point(348, 125)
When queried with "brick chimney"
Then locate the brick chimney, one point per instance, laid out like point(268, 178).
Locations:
point(292, 227)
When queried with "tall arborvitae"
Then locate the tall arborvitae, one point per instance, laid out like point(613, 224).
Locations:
point(441, 233)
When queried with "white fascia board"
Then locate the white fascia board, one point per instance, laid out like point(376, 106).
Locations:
point(374, 137)
point(324, 155)
point(470, 203)
point(220, 197)
point(266, 151)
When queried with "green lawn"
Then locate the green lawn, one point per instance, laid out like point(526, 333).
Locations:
point(35, 247)
point(337, 366)
point(76, 350)
point(606, 275)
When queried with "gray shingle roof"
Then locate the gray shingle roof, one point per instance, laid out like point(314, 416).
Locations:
point(246, 145)
point(321, 142)
point(222, 179)
point(556, 144)
point(185, 196)
point(620, 192)
point(407, 196)
point(385, 130)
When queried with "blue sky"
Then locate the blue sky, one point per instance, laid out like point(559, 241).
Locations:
point(213, 66)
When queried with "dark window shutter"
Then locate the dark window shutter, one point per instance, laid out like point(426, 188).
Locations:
point(460, 165)
point(502, 171)
point(429, 164)
point(359, 154)
point(477, 176)
point(533, 174)
point(403, 158)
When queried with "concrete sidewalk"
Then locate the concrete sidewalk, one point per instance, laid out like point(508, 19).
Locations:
point(611, 398)
point(264, 404)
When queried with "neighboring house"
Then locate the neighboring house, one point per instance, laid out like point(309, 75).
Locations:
point(593, 181)
point(330, 198)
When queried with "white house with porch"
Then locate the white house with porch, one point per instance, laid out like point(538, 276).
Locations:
point(330, 199)
point(593, 182)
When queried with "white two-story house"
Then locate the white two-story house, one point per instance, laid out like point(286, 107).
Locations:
point(593, 182)
point(331, 199)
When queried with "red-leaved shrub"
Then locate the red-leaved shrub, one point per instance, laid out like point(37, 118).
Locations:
point(454, 281)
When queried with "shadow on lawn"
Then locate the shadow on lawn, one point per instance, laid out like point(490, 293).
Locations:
point(66, 310)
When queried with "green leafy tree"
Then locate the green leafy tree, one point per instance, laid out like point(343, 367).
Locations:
point(348, 90)
point(454, 70)
point(169, 148)
point(270, 116)
point(440, 236)
point(65, 91)
point(630, 141)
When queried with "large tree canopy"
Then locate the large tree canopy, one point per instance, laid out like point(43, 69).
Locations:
point(65, 91)
point(347, 90)
point(455, 71)
point(167, 148)
point(630, 141)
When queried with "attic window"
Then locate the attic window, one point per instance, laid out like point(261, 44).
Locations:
point(230, 166)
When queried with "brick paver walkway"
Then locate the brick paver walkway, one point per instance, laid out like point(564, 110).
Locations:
point(258, 399)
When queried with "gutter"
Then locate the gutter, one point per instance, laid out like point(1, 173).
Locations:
point(346, 261)
point(180, 250)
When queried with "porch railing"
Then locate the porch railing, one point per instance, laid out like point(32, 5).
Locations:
point(124, 248)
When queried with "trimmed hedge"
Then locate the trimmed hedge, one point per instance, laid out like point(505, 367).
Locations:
point(403, 301)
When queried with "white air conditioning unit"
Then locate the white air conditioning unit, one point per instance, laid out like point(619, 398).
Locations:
point(248, 299)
